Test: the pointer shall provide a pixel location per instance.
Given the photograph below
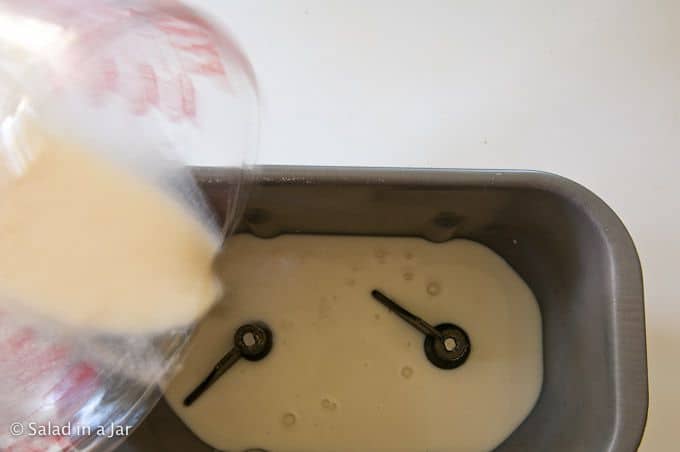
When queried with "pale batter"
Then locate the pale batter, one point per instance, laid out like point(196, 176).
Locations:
point(345, 374)
point(87, 243)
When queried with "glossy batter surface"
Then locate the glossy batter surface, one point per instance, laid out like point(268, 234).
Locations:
point(345, 374)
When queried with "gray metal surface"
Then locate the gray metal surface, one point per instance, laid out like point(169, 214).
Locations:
point(566, 243)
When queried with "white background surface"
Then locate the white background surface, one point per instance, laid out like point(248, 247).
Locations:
point(586, 89)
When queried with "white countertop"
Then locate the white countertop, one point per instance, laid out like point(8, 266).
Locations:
point(589, 90)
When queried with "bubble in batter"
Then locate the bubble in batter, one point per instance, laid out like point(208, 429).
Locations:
point(380, 254)
point(329, 404)
point(350, 282)
point(406, 372)
point(289, 419)
point(408, 276)
point(433, 288)
point(408, 255)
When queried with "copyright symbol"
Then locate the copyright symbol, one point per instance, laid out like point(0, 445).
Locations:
point(16, 429)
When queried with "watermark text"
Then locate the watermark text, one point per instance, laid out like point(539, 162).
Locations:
point(37, 429)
